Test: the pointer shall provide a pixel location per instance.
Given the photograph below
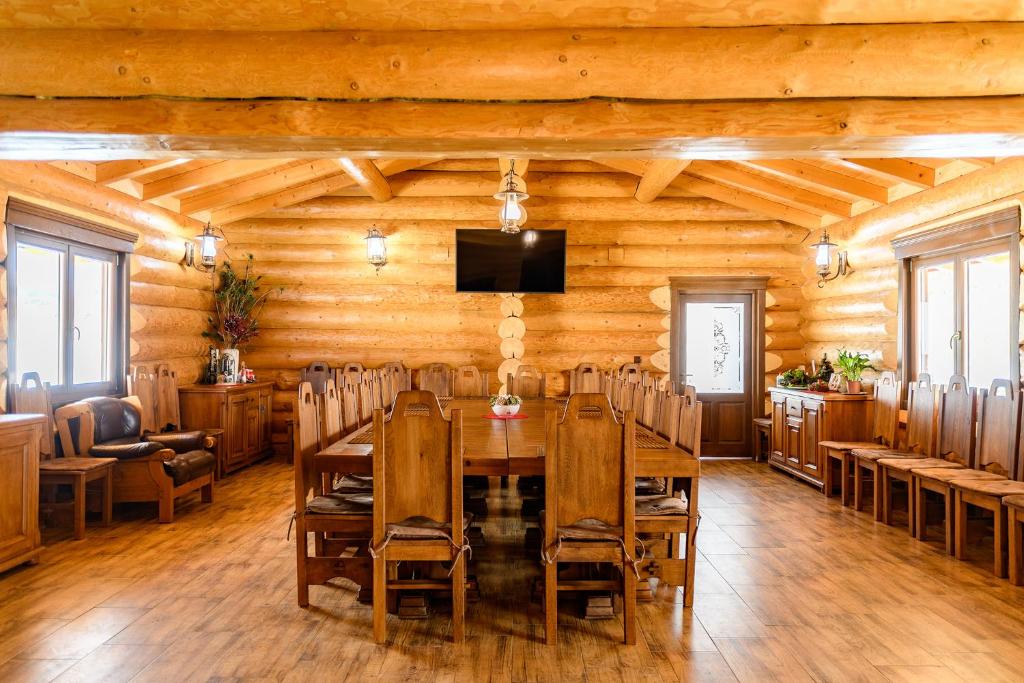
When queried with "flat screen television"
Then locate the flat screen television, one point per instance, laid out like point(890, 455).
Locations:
point(488, 260)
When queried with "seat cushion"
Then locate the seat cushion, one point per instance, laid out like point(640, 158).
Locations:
point(113, 418)
point(354, 483)
point(661, 506)
point(850, 445)
point(878, 454)
point(948, 475)
point(341, 504)
point(1016, 502)
point(125, 449)
point(1000, 488)
point(586, 530)
point(649, 486)
point(185, 467)
point(179, 442)
point(907, 464)
point(425, 529)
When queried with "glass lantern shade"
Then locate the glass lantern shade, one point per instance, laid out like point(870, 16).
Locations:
point(824, 254)
point(208, 247)
point(376, 248)
point(512, 214)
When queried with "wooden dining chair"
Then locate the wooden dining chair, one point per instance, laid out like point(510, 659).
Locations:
point(589, 514)
point(317, 373)
point(469, 382)
point(349, 373)
point(666, 421)
point(350, 412)
point(586, 378)
point(437, 378)
point(340, 523)
point(417, 492)
point(527, 382)
point(998, 453)
point(142, 382)
point(917, 442)
point(330, 413)
point(884, 427)
point(1015, 525)
point(367, 400)
point(401, 375)
point(956, 413)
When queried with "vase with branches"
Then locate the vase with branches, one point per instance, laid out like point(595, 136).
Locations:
point(238, 301)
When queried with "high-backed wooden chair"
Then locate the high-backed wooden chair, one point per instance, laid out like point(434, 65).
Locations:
point(884, 428)
point(32, 395)
point(631, 373)
point(142, 382)
point(589, 513)
point(417, 492)
point(367, 402)
point(168, 407)
point(317, 373)
point(349, 373)
point(401, 375)
point(956, 412)
point(528, 382)
point(919, 441)
point(469, 381)
point(999, 453)
point(586, 378)
point(436, 377)
point(330, 413)
point(648, 408)
point(666, 422)
point(346, 518)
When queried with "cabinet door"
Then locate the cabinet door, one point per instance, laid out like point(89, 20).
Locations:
point(266, 417)
point(252, 423)
point(237, 442)
point(19, 493)
point(778, 429)
point(809, 456)
point(794, 445)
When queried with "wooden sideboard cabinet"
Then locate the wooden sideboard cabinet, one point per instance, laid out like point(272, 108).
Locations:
point(801, 419)
point(243, 411)
point(19, 489)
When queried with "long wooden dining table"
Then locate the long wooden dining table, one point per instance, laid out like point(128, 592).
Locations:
point(493, 447)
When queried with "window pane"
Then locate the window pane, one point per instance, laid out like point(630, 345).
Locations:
point(936, 320)
point(40, 274)
point(987, 299)
point(92, 306)
point(714, 347)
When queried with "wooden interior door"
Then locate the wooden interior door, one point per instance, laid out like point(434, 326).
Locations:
point(715, 352)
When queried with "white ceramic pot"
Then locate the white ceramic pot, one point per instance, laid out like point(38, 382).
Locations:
point(500, 410)
point(513, 409)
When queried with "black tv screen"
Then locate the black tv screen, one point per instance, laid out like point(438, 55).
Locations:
point(532, 261)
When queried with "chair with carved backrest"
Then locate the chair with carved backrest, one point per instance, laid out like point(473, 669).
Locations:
point(956, 412)
point(526, 382)
point(999, 453)
point(168, 407)
point(885, 425)
point(349, 373)
point(367, 403)
point(589, 516)
point(339, 522)
point(631, 373)
point(675, 512)
point(401, 375)
point(142, 382)
point(317, 373)
point(918, 442)
point(586, 378)
point(436, 377)
point(150, 467)
point(350, 413)
point(417, 493)
point(469, 382)
point(666, 421)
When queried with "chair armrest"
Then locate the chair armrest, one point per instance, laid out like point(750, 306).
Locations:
point(127, 451)
point(180, 442)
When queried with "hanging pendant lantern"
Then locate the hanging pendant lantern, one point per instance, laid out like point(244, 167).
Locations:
point(511, 193)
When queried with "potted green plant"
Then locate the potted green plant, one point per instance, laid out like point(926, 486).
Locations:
point(852, 366)
point(505, 404)
point(238, 301)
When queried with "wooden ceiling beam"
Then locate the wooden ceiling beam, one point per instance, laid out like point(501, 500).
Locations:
point(424, 15)
point(278, 178)
point(749, 63)
point(157, 128)
point(728, 173)
point(657, 177)
point(114, 171)
point(190, 181)
point(367, 176)
point(900, 170)
point(825, 178)
point(752, 202)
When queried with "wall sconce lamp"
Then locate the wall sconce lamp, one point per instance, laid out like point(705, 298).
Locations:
point(825, 252)
point(207, 249)
point(376, 249)
point(511, 193)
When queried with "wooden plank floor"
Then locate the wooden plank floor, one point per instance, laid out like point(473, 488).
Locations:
point(790, 587)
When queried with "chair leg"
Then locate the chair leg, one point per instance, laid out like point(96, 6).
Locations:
point(911, 506)
point(691, 561)
point(999, 532)
point(628, 604)
point(844, 481)
point(78, 491)
point(380, 598)
point(301, 554)
point(826, 476)
point(1016, 546)
point(960, 526)
point(206, 493)
point(920, 528)
point(166, 503)
point(551, 603)
point(858, 486)
point(459, 601)
point(884, 488)
point(108, 496)
point(948, 500)
point(878, 502)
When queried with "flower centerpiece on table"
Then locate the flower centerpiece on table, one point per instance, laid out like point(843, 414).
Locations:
point(505, 404)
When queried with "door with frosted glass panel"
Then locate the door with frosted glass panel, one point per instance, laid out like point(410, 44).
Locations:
point(715, 357)
point(965, 316)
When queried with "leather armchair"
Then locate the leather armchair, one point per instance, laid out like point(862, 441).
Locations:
point(151, 467)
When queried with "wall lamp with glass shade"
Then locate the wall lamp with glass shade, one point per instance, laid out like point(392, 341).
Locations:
point(512, 193)
point(376, 248)
point(207, 249)
point(825, 253)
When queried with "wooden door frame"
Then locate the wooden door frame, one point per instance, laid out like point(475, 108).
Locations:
point(755, 287)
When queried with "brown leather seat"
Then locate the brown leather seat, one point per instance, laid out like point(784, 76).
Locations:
point(186, 467)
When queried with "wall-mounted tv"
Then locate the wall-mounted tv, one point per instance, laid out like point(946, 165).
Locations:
point(488, 260)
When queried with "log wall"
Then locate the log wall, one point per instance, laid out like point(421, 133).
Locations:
point(620, 253)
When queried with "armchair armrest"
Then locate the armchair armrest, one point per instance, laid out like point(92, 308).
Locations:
point(126, 451)
point(180, 442)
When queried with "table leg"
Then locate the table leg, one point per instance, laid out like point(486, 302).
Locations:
point(78, 491)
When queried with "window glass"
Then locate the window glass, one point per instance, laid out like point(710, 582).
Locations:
point(987, 294)
point(92, 319)
point(714, 347)
point(936, 320)
point(38, 329)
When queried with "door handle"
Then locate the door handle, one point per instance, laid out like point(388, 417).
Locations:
point(955, 338)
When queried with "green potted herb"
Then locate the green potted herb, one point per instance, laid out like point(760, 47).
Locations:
point(505, 404)
point(852, 366)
